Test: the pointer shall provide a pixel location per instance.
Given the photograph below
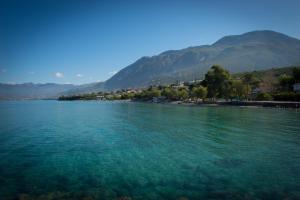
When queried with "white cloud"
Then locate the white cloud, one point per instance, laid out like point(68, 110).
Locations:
point(112, 73)
point(59, 75)
point(79, 75)
point(98, 81)
point(31, 73)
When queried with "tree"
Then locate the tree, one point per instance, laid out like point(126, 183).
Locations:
point(264, 97)
point(127, 95)
point(249, 78)
point(182, 94)
point(217, 81)
point(286, 82)
point(199, 92)
point(238, 89)
point(251, 82)
point(296, 74)
point(167, 92)
point(149, 93)
point(154, 92)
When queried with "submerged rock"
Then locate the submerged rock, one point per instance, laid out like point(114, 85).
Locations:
point(124, 198)
point(229, 163)
point(182, 198)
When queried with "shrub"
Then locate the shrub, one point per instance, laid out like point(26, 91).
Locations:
point(287, 96)
point(199, 92)
point(264, 97)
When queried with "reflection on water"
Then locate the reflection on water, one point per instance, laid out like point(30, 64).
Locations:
point(114, 150)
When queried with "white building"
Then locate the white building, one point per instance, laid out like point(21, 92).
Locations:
point(296, 87)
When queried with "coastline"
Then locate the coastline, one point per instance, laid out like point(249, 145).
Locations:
point(266, 104)
point(270, 104)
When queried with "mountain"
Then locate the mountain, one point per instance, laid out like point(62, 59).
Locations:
point(83, 89)
point(45, 91)
point(250, 51)
point(33, 91)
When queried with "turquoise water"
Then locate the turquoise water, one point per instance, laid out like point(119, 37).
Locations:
point(114, 150)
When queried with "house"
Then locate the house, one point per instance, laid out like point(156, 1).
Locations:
point(178, 84)
point(100, 97)
point(296, 87)
point(131, 91)
point(256, 91)
point(195, 81)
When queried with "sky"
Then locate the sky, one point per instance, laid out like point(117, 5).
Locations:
point(84, 41)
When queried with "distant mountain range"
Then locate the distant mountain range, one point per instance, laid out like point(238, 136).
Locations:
point(257, 50)
point(33, 91)
point(45, 91)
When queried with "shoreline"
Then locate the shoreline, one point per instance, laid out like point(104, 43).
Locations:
point(266, 104)
point(273, 104)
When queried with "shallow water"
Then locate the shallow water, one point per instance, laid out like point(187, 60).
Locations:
point(112, 150)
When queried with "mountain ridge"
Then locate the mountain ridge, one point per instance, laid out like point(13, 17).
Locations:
point(254, 50)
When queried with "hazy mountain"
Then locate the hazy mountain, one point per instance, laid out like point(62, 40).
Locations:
point(255, 50)
point(85, 88)
point(45, 91)
point(32, 91)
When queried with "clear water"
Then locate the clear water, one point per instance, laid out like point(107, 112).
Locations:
point(114, 150)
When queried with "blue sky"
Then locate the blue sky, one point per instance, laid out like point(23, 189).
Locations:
point(82, 41)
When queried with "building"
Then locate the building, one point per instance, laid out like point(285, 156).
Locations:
point(100, 97)
point(256, 91)
point(195, 81)
point(296, 87)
